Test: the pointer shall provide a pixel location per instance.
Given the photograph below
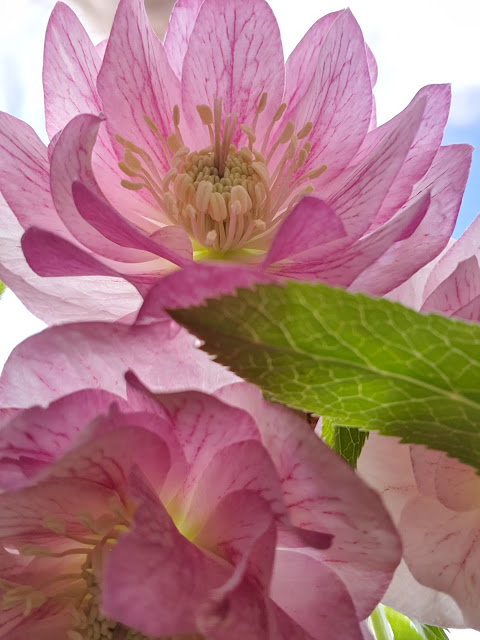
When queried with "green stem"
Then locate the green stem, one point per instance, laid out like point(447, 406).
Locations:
point(380, 625)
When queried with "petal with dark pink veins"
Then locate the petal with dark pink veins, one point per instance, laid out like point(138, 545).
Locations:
point(234, 53)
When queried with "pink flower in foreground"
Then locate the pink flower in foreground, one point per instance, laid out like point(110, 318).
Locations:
point(181, 514)
point(203, 148)
point(435, 501)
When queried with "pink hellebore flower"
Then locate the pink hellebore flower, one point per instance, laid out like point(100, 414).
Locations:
point(435, 501)
point(203, 149)
point(173, 514)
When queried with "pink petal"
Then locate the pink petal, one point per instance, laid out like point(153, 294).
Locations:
point(113, 227)
point(310, 223)
point(198, 422)
point(50, 255)
point(34, 438)
point(236, 467)
point(70, 69)
point(302, 62)
point(442, 551)
point(176, 576)
point(314, 596)
point(343, 270)
point(109, 454)
point(68, 358)
point(386, 466)
point(180, 26)
point(192, 285)
point(365, 186)
point(242, 530)
point(463, 248)
point(24, 176)
point(71, 161)
point(446, 179)
point(339, 99)
point(358, 195)
point(423, 149)
point(60, 299)
point(418, 602)
point(323, 493)
point(457, 485)
point(136, 80)
point(456, 291)
point(23, 511)
point(234, 53)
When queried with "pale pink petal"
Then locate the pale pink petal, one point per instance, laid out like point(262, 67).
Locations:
point(240, 465)
point(197, 421)
point(68, 358)
point(135, 80)
point(171, 570)
point(244, 616)
point(100, 215)
point(60, 299)
point(323, 493)
point(339, 99)
point(70, 68)
point(312, 594)
point(34, 438)
point(462, 249)
point(456, 291)
point(442, 550)
point(180, 26)
point(191, 285)
point(24, 510)
point(242, 530)
point(358, 195)
point(470, 311)
point(50, 255)
point(71, 161)
point(110, 453)
point(423, 150)
point(407, 595)
point(310, 223)
point(457, 485)
point(411, 292)
point(342, 270)
point(234, 53)
point(365, 186)
point(385, 465)
point(24, 176)
point(302, 62)
point(446, 181)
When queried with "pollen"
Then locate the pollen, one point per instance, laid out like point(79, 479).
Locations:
point(226, 196)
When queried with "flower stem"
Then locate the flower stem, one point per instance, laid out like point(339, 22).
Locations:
point(379, 624)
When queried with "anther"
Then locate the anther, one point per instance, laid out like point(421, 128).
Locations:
point(205, 114)
point(305, 130)
point(132, 186)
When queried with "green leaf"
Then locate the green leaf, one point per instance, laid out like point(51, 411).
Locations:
point(2, 288)
point(346, 441)
point(405, 629)
point(365, 363)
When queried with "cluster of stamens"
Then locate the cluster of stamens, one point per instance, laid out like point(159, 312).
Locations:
point(78, 590)
point(226, 197)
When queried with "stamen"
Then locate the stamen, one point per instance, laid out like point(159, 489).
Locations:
point(226, 197)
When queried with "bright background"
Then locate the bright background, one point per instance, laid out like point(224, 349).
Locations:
point(416, 42)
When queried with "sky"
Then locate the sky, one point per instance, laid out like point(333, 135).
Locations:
point(416, 42)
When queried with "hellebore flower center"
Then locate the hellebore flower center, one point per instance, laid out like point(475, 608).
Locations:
point(227, 198)
point(78, 582)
